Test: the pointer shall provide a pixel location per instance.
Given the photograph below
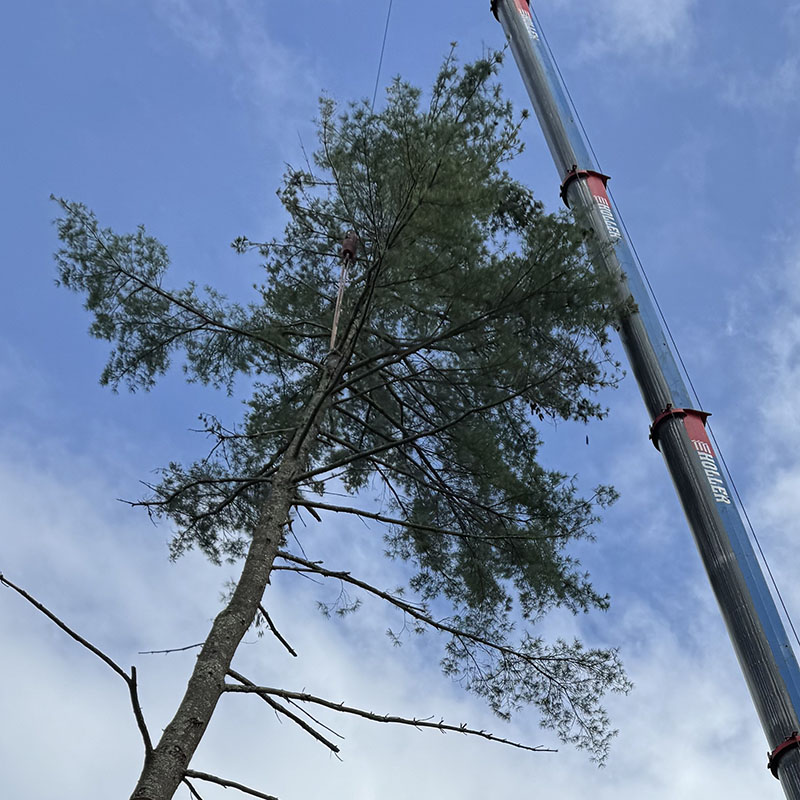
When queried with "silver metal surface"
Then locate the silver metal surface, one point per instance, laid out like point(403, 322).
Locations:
point(752, 621)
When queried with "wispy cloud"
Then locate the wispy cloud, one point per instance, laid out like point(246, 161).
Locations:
point(126, 599)
point(774, 86)
point(772, 363)
point(634, 27)
point(774, 89)
point(234, 35)
point(195, 23)
point(86, 555)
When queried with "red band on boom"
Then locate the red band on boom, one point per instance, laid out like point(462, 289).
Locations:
point(694, 422)
point(596, 181)
point(522, 5)
point(774, 758)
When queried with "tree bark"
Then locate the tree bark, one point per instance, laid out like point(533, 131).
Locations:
point(166, 766)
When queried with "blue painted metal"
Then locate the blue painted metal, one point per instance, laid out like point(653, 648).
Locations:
point(752, 616)
point(762, 598)
point(681, 398)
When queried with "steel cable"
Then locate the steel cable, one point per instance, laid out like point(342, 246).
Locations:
point(383, 50)
point(669, 334)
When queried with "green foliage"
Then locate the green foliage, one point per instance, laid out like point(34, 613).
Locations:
point(470, 317)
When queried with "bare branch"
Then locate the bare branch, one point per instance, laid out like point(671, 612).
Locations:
point(170, 650)
point(311, 504)
point(275, 631)
point(204, 776)
point(248, 684)
point(316, 567)
point(133, 689)
point(194, 793)
point(64, 627)
point(419, 614)
point(442, 726)
point(315, 720)
point(130, 680)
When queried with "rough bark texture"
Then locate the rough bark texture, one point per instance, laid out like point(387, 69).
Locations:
point(166, 766)
point(474, 314)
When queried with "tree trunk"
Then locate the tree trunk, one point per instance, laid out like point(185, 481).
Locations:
point(165, 767)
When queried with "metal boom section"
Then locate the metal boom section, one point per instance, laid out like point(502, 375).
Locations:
point(677, 430)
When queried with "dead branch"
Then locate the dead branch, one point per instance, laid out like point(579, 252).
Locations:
point(416, 611)
point(194, 793)
point(130, 680)
point(133, 689)
point(314, 719)
point(170, 650)
point(419, 614)
point(285, 711)
point(275, 631)
point(312, 504)
point(204, 776)
point(443, 727)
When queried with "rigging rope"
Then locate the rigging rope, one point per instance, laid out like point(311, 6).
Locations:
point(383, 50)
point(348, 255)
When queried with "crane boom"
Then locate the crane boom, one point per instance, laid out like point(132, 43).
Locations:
point(678, 431)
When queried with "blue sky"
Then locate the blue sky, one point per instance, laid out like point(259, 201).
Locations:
point(181, 114)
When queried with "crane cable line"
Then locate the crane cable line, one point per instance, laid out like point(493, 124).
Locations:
point(383, 50)
point(669, 332)
point(651, 291)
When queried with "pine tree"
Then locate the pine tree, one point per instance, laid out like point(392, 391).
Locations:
point(468, 317)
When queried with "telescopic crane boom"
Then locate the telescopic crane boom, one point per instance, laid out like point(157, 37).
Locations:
point(677, 430)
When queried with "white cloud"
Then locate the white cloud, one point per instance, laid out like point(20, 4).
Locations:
point(774, 367)
point(234, 35)
point(687, 727)
point(193, 22)
point(687, 730)
point(773, 90)
point(649, 28)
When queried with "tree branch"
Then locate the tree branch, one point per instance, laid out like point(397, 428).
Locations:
point(390, 445)
point(311, 504)
point(170, 650)
point(91, 228)
point(130, 680)
point(204, 776)
point(442, 726)
point(136, 706)
point(275, 631)
point(421, 616)
point(194, 793)
point(248, 684)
